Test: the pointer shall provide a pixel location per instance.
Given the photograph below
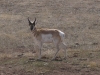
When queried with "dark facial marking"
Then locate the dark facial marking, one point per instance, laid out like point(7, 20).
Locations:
point(31, 27)
point(31, 24)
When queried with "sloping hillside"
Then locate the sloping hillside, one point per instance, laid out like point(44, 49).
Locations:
point(79, 20)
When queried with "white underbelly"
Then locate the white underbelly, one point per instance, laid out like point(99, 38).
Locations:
point(47, 38)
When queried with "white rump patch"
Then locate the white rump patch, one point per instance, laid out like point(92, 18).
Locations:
point(47, 38)
point(62, 35)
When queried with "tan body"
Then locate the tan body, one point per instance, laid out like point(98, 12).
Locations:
point(47, 35)
point(54, 36)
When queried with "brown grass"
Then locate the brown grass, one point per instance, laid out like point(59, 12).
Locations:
point(78, 62)
point(79, 19)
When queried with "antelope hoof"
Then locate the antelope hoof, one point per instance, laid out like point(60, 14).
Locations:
point(52, 59)
point(38, 59)
point(64, 58)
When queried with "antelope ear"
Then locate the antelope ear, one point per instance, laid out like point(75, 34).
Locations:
point(29, 21)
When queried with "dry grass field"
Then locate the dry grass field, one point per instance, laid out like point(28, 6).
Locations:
point(79, 19)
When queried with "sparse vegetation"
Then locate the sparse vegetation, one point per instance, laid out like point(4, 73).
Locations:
point(79, 19)
point(27, 64)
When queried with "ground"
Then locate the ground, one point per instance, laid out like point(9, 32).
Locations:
point(78, 19)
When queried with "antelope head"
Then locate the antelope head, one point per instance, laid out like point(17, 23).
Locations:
point(32, 24)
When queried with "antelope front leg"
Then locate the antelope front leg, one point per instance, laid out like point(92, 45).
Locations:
point(39, 54)
point(40, 48)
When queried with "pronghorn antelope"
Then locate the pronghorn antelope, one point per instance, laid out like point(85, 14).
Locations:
point(41, 36)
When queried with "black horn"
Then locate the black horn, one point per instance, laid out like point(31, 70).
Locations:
point(34, 22)
point(29, 21)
